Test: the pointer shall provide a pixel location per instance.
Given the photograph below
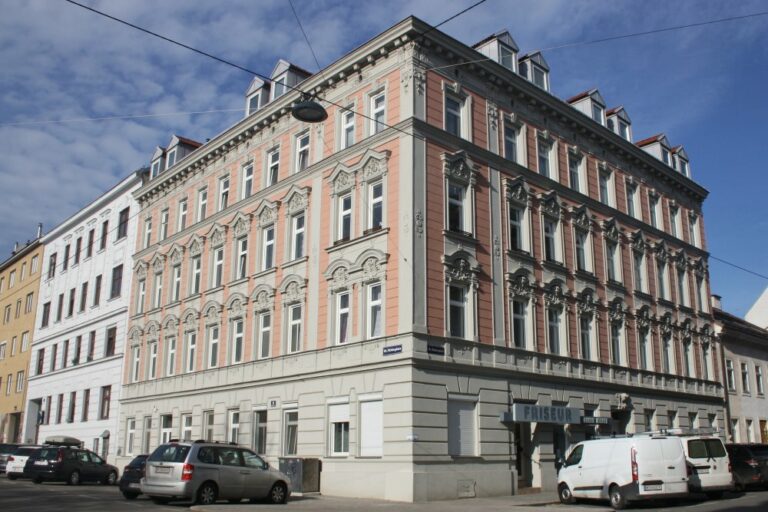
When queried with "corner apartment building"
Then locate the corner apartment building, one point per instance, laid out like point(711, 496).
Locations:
point(436, 290)
point(77, 354)
point(745, 365)
point(19, 283)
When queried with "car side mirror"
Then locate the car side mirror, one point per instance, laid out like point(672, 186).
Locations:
point(561, 462)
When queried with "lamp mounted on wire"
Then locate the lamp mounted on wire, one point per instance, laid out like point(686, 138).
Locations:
point(309, 110)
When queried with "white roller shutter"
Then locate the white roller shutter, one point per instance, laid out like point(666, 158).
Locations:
point(371, 429)
point(461, 428)
point(338, 413)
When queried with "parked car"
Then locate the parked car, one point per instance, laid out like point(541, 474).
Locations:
point(750, 464)
point(15, 465)
point(70, 465)
point(205, 472)
point(132, 475)
point(709, 465)
point(6, 449)
point(624, 469)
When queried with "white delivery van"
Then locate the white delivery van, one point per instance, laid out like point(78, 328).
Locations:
point(710, 467)
point(624, 469)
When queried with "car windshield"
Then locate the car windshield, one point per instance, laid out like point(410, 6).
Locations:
point(170, 453)
point(759, 451)
point(48, 454)
point(25, 451)
point(705, 448)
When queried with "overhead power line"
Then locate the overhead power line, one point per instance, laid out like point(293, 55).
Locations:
point(128, 116)
point(757, 274)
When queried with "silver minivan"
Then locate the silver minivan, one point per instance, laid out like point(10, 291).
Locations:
point(205, 472)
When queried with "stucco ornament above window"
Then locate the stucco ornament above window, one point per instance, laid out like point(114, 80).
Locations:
point(458, 166)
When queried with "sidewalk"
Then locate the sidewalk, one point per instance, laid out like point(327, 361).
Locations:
point(318, 503)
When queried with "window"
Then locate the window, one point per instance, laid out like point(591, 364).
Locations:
point(576, 172)
point(196, 269)
point(247, 181)
point(176, 283)
point(110, 342)
point(582, 250)
point(268, 247)
point(202, 203)
point(65, 354)
point(682, 288)
point(674, 218)
point(46, 315)
point(89, 245)
point(291, 432)
point(33, 266)
point(613, 261)
point(265, 334)
point(378, 113)
point(605, 188)
point(97, 291)
point(459, 219)
point(684, 168)
point(638, 267)
point(520, 323)
point(643, 350)
point(457, 311)
point(59, 408)
point(78, 250)
point(544, 149)
point(208, 422)
point(665, 156)
point(551, 236)
point(278, 87)
point(730, 375)
point(147, 232)
point(147, 434)
point(273, 166)
point(553, 330)
point(511, 133)
point(233, 426)
point(170, 357)
point(64, 266)
point(706, 368)
point(653, 206)
point(156, 167)
point(217, 277)
point(242, 258)
point(260, 432)
point(130, 435)
point(297, 236)
point(302, 152)
point(294, 327)
point(20, 384)
point(617, 352)
point(539, 76)
point(213, 346)
point(759, 379)
point(342, 317)
point(71, 303)
point(83, 296)
point(24, 341)
point(597, 112)
point(122, 224)
point(624, 130)
point(375, 327)
point(170, 159)
point(2, 350)
point(453, 117)
point(344, 228)
point(693, 230)
point(462, 419)
point(375, 205)
point(661, 268)
point(744, 378)
point(181, 219)
point(518, 227)
point(117, 282)
point(86, 405)
point(338, 418)
point(104, 402)
point(166, 428)
point(164, 215)
point(688, 359)
point(135, 363)
point(585, 337)
point(667, 357)
point(191, 356)
point(631, 200)
point(60, 308)
point(186, 427)
point(7, 314)
point(253, 103)
point(347, 130)
point(157, 298)
point(238, 343)
point(152, 360)
point(51, 266)
point(223, 193)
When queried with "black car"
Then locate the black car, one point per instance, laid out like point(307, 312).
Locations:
point(6, 450)
point(132, 475)
point(70, 465)
point(750, 464)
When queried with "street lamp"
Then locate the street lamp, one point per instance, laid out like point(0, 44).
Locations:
point(309, 111)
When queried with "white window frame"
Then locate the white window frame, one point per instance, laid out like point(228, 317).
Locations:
point(196, 270)
point(745, 386)
point(464, 305)
point(267, 247)
point(170, 159)
point(375, 202)
point(264, 334)
point(237, 335)
point(170, 356)
point(375, 310)
point(130, 435)
point(217, 267)
point(164, 218)
point(347, 127)
point(246, 181)
point(190, 351)
point(152, 360)
point(233, 426)
point(249, 104)
point(141, 295)
point(644, 351)
point(462, 437)
point(730, 375)
point(641, 272)
point(295, 327)
point(662, 279)
point(135, 363)
point(464, 112)
point(760, 385)
point(378, 120)
point(186, 427)
point(223, 197)
point(157, 296)
point(597, 112)
point(527, 318)
point(613, 261)
point(371, 431)
point(586, 249)
point(512, 140)
point(166, 431)
point(176, 283)
point(298, 236)
point(213, 335)
point(524, 226)
point(181, 220)
point(554, 318)
point(606, 187)
point(272, 174)
point(617, 336)
point(343, 317)
point(241, 263)
point(557, 238)
point(344, 217)
point(147, 234)
point(546, 151)
point(682, 286)
point(591, 335)
point(301, 155)
point(632, 200)
point(576, 166)
point(202, 204)
point(465, 204)
point(668, 355)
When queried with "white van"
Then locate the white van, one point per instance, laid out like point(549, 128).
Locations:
point(624, 469)
point(710, 467)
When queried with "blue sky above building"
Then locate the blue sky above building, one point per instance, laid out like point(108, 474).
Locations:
point(704, 87)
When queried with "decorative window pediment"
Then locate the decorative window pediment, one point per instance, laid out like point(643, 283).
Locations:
point(158, 263)
point(374, 164)
point(293, 289)
point(517, 191)
point(152, 331)
point(134, 335)
point(555, 294)
point(236, 305)
point(217, 235)
point(371, 265)
point(190, 318)
point(699, 267)
point(458, 166)
point(296, 199)
point(550, 205)
point(602, 166)
point(686, 331)
point(461, 268)
point(212, 312)
point(545, 136)
point(582, 217)
point(342, 179)
point(586, 303)
point(170, 323)
point(680, 260)
point(666, 324)
point(617, 311)
point(267, 213)
point(520, 285)
point(611, 230)
point(662, 253)
point(241, 224)
point(575, 151)
point(195, 245)
point(140, 268)
point(337, 274)
point(263, 298)
point(638, 241)
point(176, 254)
point(644, 317)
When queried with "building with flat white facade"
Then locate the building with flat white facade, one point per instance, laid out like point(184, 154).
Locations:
point(436, 290)
point(77, 353)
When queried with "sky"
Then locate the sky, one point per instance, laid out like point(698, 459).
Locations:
point(704, 87)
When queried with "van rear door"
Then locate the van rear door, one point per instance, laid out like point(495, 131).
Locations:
point(674, 466)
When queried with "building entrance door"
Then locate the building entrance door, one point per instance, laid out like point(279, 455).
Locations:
point(523, 452)
point(620, 422)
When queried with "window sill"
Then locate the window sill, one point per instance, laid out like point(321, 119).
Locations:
point(367, 235)
point(686, 309)
point(586, 274)
point(238, 281)
point(462, 236)
point(667, 303)
point(295, 262)
point(173, 304)
point(214, 289)
point(192, 297)
point(554, 265)
point(643, 295)
point(522, 254)
point(616, 285)
point(266, 272)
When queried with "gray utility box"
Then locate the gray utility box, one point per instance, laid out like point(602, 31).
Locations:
point(304, 473)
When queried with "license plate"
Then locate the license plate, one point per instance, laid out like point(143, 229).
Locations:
point(133, 486)
point(162, 470)
point(41, 463)
point(652, 487)
point(702, 471)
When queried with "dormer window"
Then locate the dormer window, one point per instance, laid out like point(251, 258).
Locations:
point(156, 168)
point(597, 112)
point(506, 57)
point(539, 77)
point(254, 103)
point(170, 159)
point(665, 156)
point(624, 130)
point(279, 87)
point(684, 168)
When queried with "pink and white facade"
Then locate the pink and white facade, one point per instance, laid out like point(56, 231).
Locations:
point(393, 289)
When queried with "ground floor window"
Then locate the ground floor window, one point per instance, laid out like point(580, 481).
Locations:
point(462, 428)
point(291, 432)
point(338, 418)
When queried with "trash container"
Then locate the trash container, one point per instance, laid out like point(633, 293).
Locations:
point(303, 473)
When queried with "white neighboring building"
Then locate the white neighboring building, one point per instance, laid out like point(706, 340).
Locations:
point(77, 354)
point(758, 313)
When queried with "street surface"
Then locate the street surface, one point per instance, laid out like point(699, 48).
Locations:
point(23, 495)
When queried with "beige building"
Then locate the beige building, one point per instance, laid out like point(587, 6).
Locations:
point(19, 284)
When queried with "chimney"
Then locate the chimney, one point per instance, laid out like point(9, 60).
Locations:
point(39, 229)
point(15, 247)
point(717, 302)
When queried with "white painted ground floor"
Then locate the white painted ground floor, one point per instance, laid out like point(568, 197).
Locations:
point(413, 418)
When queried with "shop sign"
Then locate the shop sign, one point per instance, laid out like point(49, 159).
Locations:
point(595, 420)
point(529, 413)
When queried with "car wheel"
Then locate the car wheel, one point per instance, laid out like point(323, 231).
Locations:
point(278, 494)
point(617, 498)
point(207, 494)
point(565, 495)
point(12, 477)
point(716, 495)
point(130, 495)
point(37, 480)
point(74, 478)
point(111, 479)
